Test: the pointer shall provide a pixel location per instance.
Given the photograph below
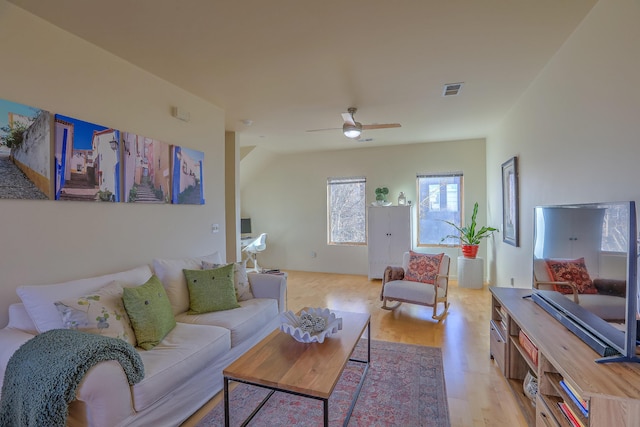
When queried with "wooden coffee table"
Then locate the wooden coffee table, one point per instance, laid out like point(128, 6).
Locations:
point(280, 363)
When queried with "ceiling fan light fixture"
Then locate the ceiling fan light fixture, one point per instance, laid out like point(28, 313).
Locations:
point(352, 130)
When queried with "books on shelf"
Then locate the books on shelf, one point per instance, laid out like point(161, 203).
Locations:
point(571, 417)
point(580, 402)
point(529, 348)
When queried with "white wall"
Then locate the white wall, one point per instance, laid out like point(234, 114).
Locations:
point(576, 131)
point(49, 241)
point(287, 197)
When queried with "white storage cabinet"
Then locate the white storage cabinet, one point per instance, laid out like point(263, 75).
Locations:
point(388, 237)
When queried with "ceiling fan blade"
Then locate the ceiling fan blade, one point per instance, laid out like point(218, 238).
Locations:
point(348, 118)
point(381, 126)
point(320, 130)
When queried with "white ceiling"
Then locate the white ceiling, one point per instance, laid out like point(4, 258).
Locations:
point(294, 65)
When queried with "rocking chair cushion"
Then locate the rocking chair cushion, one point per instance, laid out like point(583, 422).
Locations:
point(415, 292)
point(423, 267)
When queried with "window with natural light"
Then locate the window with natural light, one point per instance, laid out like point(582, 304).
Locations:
point(615, 230)
point(346, 211)
point(439, 200)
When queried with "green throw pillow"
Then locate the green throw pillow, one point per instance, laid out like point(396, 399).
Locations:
point(211, 290)
point(149, 311)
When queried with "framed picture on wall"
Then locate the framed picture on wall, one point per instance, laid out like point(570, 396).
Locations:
point(187, 182)
point(147, 170)
point(510, 201)
point(86, 160)
point(25, 150)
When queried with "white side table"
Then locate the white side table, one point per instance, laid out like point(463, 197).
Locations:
point(470, 272)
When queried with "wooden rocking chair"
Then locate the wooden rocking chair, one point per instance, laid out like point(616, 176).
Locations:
point(396, 290)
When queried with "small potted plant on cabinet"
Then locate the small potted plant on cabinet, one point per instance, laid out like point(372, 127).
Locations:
point(470, 236)
point(381, 196)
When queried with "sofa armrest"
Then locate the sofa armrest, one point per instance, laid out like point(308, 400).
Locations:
point(390, 273)
point(10, 341)
point(270, 286)
point(614, 287)
point(92, 405)
point(103, 397)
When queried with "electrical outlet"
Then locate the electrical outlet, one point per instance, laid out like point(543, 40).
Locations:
point(512, 281)
point(215, 228)
point(313, 254)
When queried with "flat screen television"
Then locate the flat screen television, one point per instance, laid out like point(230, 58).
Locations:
point(600, 238)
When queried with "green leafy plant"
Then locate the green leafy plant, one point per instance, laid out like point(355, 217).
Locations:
point(14, 135)
point(381, 194)
point(158, 193)
point(469, 235)
point(105, 196)
point(133, 194)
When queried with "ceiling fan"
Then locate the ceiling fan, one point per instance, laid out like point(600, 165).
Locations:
point(353, 129)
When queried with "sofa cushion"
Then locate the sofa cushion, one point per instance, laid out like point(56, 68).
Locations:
point(39, 299)
point(101, 312)
point(211, 290)
point(150, 312)
point(20, 319)
point(243, 322)
point(181, 355)
point(169, 271)
point(240, 279)
point(613, 287)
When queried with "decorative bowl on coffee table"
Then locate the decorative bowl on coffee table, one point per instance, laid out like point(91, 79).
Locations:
point(312, 325)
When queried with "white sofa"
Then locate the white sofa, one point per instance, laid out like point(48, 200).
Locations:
point(181, 373)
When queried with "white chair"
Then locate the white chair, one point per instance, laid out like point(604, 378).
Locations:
point(609, 303)
point(396, 289)
point(252, 249)
point(541, 280)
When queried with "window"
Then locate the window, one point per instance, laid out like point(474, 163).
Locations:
point(346, 211)
point(439, 200)
point(615, 229)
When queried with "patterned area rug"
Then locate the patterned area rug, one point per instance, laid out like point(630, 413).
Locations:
point(404, 387)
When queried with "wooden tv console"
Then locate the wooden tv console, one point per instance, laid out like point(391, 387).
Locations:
point(612, 390)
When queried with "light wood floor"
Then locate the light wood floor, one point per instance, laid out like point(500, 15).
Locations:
point(477, 393)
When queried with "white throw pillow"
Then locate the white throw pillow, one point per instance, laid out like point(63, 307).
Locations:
point(101, 312)
point(39, 299)
point(169, 271)
point(240, 279)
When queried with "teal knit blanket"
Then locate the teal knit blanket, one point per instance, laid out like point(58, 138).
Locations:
point(43, 374)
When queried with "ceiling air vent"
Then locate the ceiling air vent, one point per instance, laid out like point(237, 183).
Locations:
point(451, 89)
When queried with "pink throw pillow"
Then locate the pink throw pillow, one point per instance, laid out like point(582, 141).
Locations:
point(423, 267)
point(574, 271)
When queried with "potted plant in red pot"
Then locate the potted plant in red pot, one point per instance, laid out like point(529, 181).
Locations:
point(470, 236)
